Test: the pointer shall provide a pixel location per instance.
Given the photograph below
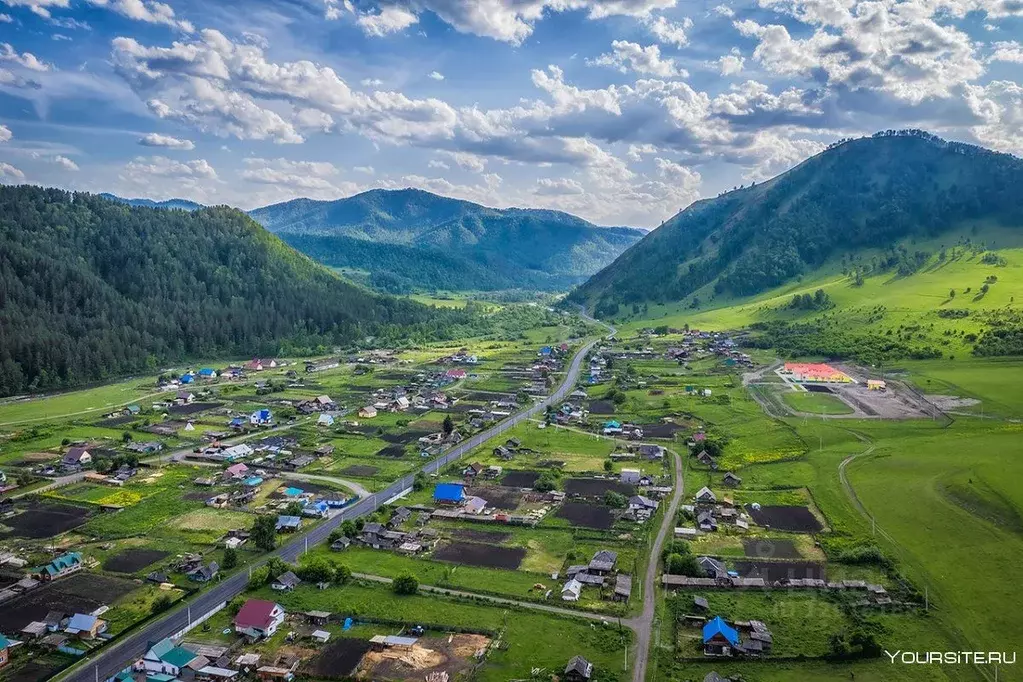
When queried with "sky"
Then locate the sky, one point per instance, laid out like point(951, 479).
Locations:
point(620, 111)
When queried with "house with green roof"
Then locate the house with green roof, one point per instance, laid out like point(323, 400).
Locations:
point(165, 658)
point(63, 565)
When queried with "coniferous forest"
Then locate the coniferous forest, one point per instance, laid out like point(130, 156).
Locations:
point(91, 288)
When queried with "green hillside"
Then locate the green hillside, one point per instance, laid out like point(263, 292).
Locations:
point(871, 194)
point(92, 288)
point(414, 240)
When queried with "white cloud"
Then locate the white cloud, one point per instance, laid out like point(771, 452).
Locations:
point(435, 75)
point(301, 175)
point(387, 20)
point(732, 63)
point(5, 18)
point(148, 11)
point(5, 133)
point(724, 11)
point(637, 151)
point(25, 60)
point(434, 163)
point(1007, 51)
point(9, 171)
point(506, 20)
point(371, 82)
point(558, 187)
point(626, 56)
point(161, 166)
point(166, 141)
point(669, 32)
point(70, 23)
point(39, 7)
point(368, 170)
point(65, 163)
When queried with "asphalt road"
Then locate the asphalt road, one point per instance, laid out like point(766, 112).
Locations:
point(111, 660)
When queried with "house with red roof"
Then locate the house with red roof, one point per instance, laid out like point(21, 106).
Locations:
point(258, 619)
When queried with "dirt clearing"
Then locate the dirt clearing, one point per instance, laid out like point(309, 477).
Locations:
point(44, 520)
point(781, 517)
point(476, 554)
point(131, 560)
point(596, 487)
point(587, 515)
point(452, 654)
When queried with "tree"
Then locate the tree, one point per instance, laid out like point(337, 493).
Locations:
point(609, 466)
point(230, 558)
point(293, 509)
point(615, 499)
point(161, 603)
point(449, 425)
point(675, 547)
point(259, 577)
point(546, 482)
point(277, 566)
point(317, 570)
point(406, 583)
point(342, 574)
point(951, 293)
point(419, 481)
point(264, 533)
point(682, 564)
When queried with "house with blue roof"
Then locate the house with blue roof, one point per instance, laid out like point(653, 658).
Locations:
point(65, 564)
point(207, 373)
point(186, 378)
point(449, 493)
point(288, 524)
point(261, 417)
point(720, 638)
point(85, 626)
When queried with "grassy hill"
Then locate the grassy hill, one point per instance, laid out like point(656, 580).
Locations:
point(884, 195)
point(92, 288)
point(414, 240)
point(880, 316)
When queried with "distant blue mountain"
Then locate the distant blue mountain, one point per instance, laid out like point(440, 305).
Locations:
point(183, 204)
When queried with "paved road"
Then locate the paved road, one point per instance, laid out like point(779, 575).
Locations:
point(120, 654)
point(644, 623)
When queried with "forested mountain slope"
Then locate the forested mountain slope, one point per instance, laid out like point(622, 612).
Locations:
point(861, 194)
point(412, 239)
point(183, 204)
point(91, 288)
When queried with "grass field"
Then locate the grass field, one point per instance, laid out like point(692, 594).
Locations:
point(815, 403)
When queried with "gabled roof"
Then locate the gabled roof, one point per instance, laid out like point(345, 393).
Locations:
point(256, 613)
point(706, 493)
point(81, 622)
point(288, 579)
point(580, 666)
point(716, 627)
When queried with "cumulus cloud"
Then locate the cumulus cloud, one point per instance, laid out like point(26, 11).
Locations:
point(558, 187)
point(5, 18)
point(732, 63)
point(669, 32)
point(435, 75)
point(166, 141)
point(5, 134)
point(40, 7)
point(161, 166)
point(10, 172)
point(510, 21)
point(25, 60)
point(436, 163)
point(65, 163)
point(148, 11)
point(304, 175)
point(1007, 51)
point(626, 56)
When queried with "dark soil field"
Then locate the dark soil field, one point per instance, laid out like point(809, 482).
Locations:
point(338, 660)
point(361, 470)
point(131, 560)
point(817, 388)
point(596, 487)
point(520, 479)
point(194, 408)
point(80, 593)
point(773, 571)
point(498, 496)
point(770, 549)
point(114, 422)
point(44, 520)
point(551, 463)
point(602, 407)
point(475, 554)
point(473, 535)
point(392, 451)
point(586, 515)
point(661, 430)
point(33, 671)
point(487, 396)
point(405, 437)
point(794, 519)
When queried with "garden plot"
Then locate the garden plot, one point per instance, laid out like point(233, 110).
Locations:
point(475, 535)
point(499, 497)
point(405, 437)
point(447, 657)
point(597, 487)
point(132, 560)
point(664, 431)
point(192, 408)
point(764, 548)
point(785, 517)
point(476, 554)
point(80, 593)
point(773, 571)
point(39, 520)
point(338, 661)
point(392, 451)
point(520, 479)
point(601, 407)
point(359, 470)
point(586, 515)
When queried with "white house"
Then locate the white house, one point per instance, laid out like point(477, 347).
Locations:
point(259, 619)
point(572, 590)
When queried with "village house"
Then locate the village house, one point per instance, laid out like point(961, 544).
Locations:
point(623, 587)
point(288, 524)
point(184, 397)
point(642, 507)
point(572, 590)
point(258, 619)
point(578, 670)
point(449, 493)
point(76, 457)
point(706, 495)
point(164, 658)
point(712, 567)
point(235, 472)
point(603, 562)
point(731, 480)
point(651, 451)
point(367, 412)
point(286, 582)
point(204, 572)
point(630, 476)
point(85, 626)
point(719, 638)
point(63, 565)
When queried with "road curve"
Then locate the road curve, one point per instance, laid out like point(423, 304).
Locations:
point(114, 658)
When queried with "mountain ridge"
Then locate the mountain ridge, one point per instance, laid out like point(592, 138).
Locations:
point(183, 204)
point(506, 248)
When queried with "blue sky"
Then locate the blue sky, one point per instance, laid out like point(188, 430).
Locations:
point(621, 111)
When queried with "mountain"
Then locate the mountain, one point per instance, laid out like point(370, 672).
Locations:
point(183, 204)
point(91, 288)
point(873, 195)
point(411, 239)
